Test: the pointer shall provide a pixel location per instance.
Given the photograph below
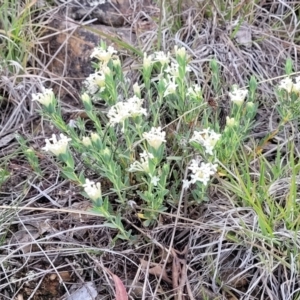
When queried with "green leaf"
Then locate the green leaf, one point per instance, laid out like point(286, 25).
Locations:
point(123, 237)
point(289, 66)
point(111, 225)
point(81, 177)
point(69, 173)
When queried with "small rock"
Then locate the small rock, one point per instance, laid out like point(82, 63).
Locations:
point(111, 13)
point(68, 46)
point(86, 292)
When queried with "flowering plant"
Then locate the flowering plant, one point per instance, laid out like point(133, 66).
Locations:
point(289, 100)
point(130, 146)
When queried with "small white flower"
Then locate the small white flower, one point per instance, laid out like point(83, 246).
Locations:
point(250, 105)
point(143, 164)
point(161, 57)
point(46, 97)
point(203, 172)
point(86, 141)
point(194, 165)
point(171, 87)
point(286, 84)
point(116, 62)
point(135, 106)
point(93, 190)
point(230, 122)
point(106, 152)
point(238, 96)
point(106, 70)
point(72, 123)
point(194, 91)
point(155, 137)
point(118, 113)
point(95, 82)
point(137, 166)
point(95, 137)
point(207, 138)
point(173, 69)
point(146, 155)
point(197, 88)
point(154, 180)
point(102, 54)
point(200, 175)
point(185, 184)
point(136, 89)
point(188, 68)
point(57, 147)
point(86, 98)
point(181, 52)
point(190, 91)
point(111, 50)
point(148, 60)
point(123, 110)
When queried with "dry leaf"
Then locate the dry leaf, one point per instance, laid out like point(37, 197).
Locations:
point(121, 293)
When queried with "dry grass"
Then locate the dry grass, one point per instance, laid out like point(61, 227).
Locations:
point(51, 244)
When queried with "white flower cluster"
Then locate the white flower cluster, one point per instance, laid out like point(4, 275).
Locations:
point(164, 59)
point(171, 72)
point(103, 55)
point(161, 57)
point(148, 60)
point(88, 141)
point(181, 52)
point(155, 137)
point(123, 110)
point(93, 190)
point(231, 122)
point(194, 91)
point(57, 147)
point(46, 97)
point(95, 82)
point(238, 96)
point(207, 138)
point(143, 164)
point(136, 89)
point(171, 86)
point(200, 173)
point(290, 86)
point(173, 69)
